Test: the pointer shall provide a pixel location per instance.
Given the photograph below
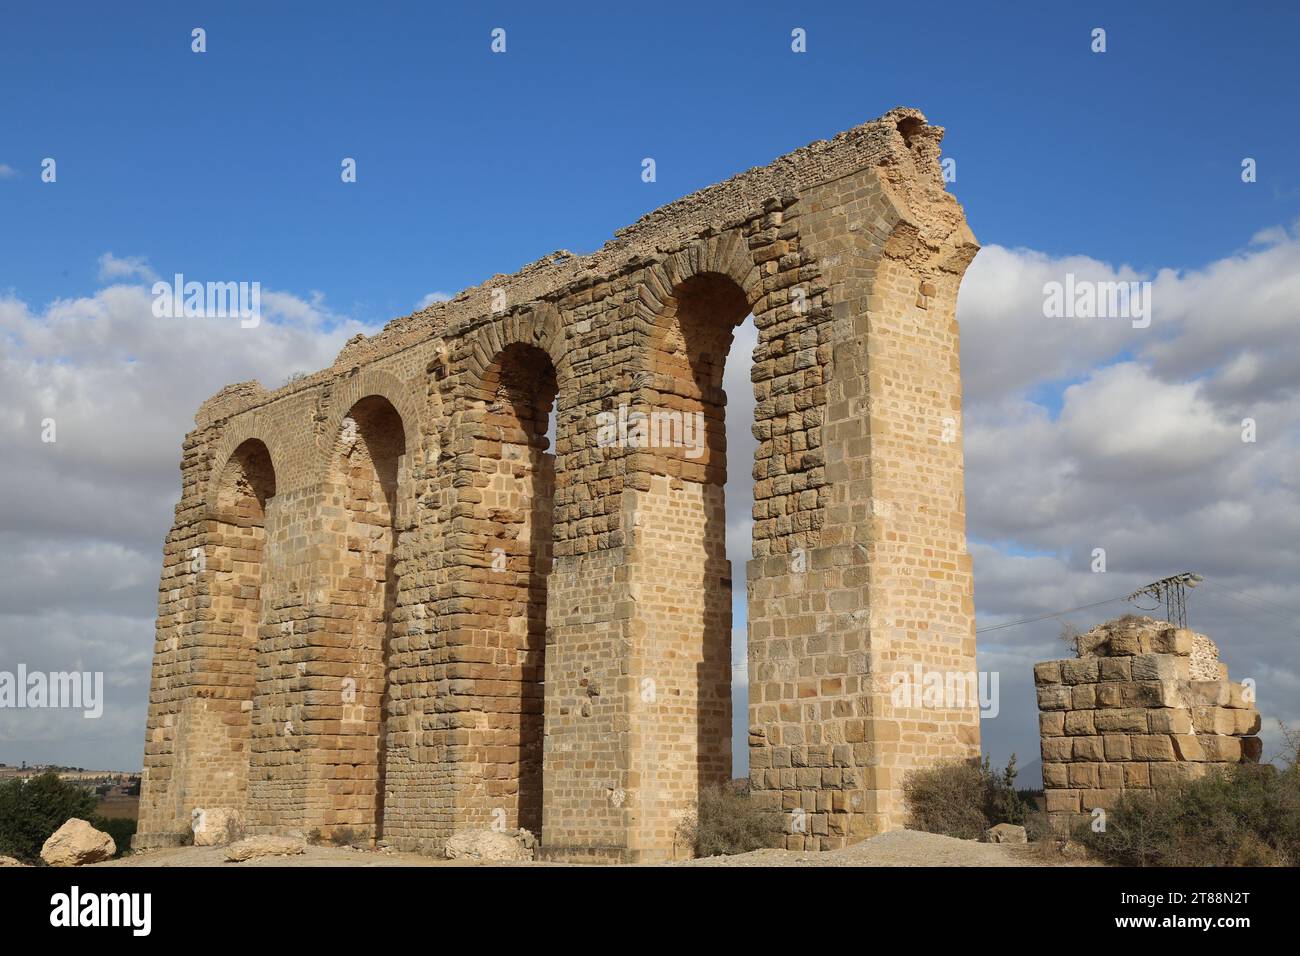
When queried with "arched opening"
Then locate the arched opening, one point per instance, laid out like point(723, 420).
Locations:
point(369, 470)
point(518, 499)
point(235, 558)
point(684, 534)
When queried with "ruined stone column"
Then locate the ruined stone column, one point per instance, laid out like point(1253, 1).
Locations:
point(1145, 705)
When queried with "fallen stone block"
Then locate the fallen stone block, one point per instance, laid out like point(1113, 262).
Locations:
point(77, 843)
point(216, 826)
point(494, 846)
point(259, 846)
point(1005, 833)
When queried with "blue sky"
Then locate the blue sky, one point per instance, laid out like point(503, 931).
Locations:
point(227, 163)
point(225, 166)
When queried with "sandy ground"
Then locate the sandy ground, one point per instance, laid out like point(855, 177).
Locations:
point(899, 848)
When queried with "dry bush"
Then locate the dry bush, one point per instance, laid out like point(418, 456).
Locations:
point(728, 821)
point(1241, 815)
point(961, 799)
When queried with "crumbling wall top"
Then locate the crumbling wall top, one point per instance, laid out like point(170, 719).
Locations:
point(901, 143)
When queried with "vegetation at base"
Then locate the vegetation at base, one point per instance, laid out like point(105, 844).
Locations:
point(31, 810)
point(963, 799)
point(1238, 815)
point(728, 821)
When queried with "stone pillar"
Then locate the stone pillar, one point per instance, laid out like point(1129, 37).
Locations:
point(879, 583)
point(1145, 705)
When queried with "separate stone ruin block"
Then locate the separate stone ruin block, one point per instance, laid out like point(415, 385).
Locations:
point(1145, 705)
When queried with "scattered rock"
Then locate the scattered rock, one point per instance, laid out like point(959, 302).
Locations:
point(257, 846)
point(10, 861)
point(216, 826)
point(77, 843)
point(1005, 833)
point(491, 845)
point(1071, 849)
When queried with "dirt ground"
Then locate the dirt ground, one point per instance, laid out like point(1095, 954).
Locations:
point(899, 848)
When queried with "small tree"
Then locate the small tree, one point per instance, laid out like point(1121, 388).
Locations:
point(1070, 637)
point(963, 799)
point(31, 811)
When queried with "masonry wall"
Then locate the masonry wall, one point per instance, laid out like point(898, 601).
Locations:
point(1146, 705)
point(505, 634)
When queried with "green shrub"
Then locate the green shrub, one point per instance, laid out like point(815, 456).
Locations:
point(121, 829)
point(31, 811)
point(728, 821)
point(963, 799)
point(1240, 815)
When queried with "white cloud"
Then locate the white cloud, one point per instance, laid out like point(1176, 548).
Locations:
point(84, 518)
point(430, 299)
point(1091, 434)
point(7, 171)
point(1079, 434)
point(129, 267)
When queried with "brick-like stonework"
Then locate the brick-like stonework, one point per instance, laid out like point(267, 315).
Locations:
point(1145, 705)
point(389, 606)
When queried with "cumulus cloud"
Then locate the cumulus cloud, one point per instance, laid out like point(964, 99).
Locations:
point(128, 267)
point(1088, 438)
point(430, 299)
point(1082, 436)
point(83, 517)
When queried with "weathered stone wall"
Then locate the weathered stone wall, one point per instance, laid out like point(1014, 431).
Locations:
point(410, 615)
point(1145, 705)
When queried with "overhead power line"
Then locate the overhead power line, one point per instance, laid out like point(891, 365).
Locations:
point(1047, 617)
point(1171, 591)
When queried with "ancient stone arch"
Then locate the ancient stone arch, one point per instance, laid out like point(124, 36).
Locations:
point(539, 635)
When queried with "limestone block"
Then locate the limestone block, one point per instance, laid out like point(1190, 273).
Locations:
point(1005, 833)
point(1137, 775)
point(1055, 775)
point(1083, 696)
point(1238, 697)
point(496, 845)
point(1188, 747)
point(1053, 697)
point(1217, 748)
point(1214, 720)
point(1123, 720)
point(1247, 722)
point(1117, 747)
point(1169, 720)
point(1047, 672)
point(1080, 723)
point(259, 846)
point(1115, 668)
point(1084, 670)
point(1207, 693)
point(77, 843)
point(1087, 748)
point(1171, 640)
point(1160, 667)
point(1151, 747)
point(216, 826)
point(1083, 775)
point(1062, 801)
point(1051, 723)
point(1110, 776)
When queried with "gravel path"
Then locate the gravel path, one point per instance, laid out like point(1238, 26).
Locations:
point(898, 848)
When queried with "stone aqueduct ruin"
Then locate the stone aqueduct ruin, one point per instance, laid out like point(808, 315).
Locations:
point(387, 606)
